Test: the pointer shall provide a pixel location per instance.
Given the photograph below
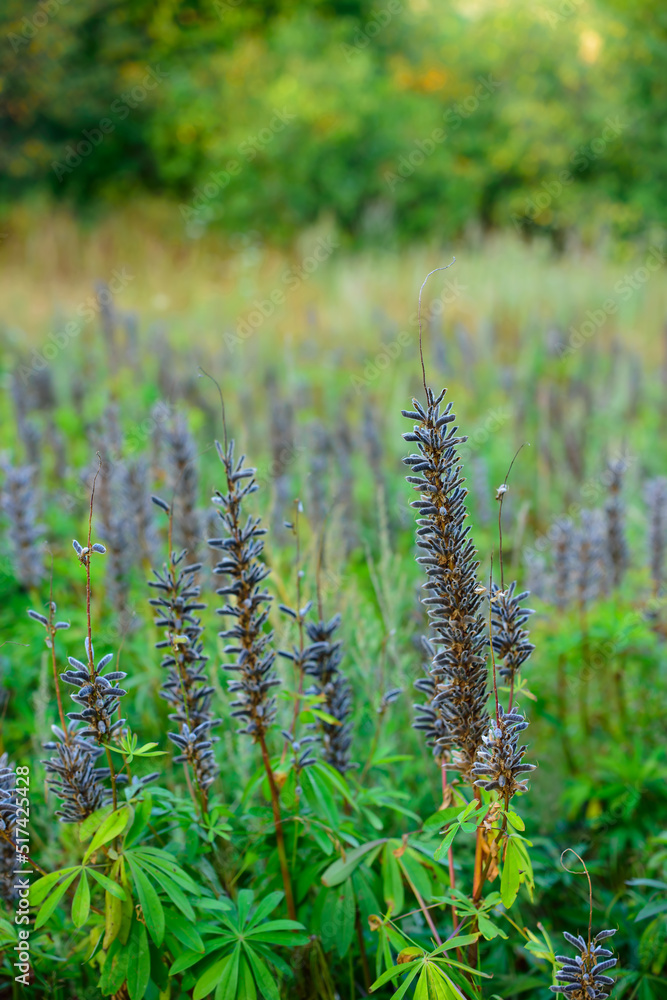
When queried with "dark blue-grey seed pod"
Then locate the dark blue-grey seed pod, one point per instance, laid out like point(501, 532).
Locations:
point(509, 638)
point(18, 500)
point(96, 696)
point(499, 763)
point(655, 493)
point(184, 483)
point(73, 776)
point(584, 976)
point(8, 810)
point(249, 644)
point(459, 670)
point(614, 510)
point(186, 687)
point(332, 685)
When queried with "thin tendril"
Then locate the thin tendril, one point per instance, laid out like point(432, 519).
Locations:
point(222, 402)
point(421, 353)
point(500, 513)
point(590, 888)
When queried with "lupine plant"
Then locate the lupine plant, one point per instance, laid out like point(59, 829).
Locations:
point(244, 808)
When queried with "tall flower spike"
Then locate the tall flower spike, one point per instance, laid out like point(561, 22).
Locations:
point(246, 600)
point(184, 481)
point(186, 687)
point(656, 500)
point(590, 557)
point(19, 503)
point(563, 562)
point(614, 509)
point(583, 977)
point(509, 638)
point(73, 776)
point(499, 765)
point(98, 695)
point(449, 558)
point(8, 810)
point(428, 717)
point(324, 667)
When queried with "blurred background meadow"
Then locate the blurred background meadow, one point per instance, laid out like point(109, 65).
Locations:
point(257, 191)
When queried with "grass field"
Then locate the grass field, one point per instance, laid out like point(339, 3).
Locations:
point(316, 353)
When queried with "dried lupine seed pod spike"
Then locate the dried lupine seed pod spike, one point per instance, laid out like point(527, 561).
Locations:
point(331, 683)
point(509, 638)
point(73, 776)
point(8, 811)
point(246, 601)
point(138, 510)
point(584, 976)
point(458, 706)
point(564, 547)
point(591, 563)
point(186, 687)
point(614, 509)
point(18, 501)
point(499, 763)
point(184, 482)
point(656, 500)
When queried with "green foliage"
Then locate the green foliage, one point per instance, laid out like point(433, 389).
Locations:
point(404, 119)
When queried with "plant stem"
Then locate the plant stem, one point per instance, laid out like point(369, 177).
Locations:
point(362, 951)
point(278, 823)
point(423, 908)
point(112, 775)
point(478, 880)
point(450, 852)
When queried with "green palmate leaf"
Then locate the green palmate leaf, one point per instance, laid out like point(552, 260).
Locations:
point(110, 886)
point(159, 971)
point(343, 917)
point(511, 875)
point(210, 979)
point(403, 988)
point(114, 972)
point(441, 981)
point(246, 989)
point(88, 826)
point(335, 779)
point(395, 971)
point(392, 881)
point(324, 716)
point(275, 925)
point(244, 901)
point(185, 932)
point(342, 868)
point(263, 977)
point(52, 901)
point(651, 909)
point(264, 907)
point(113, 918)
point(290, 939)
point(489, 929)
point(40, 889)
point(142, 814)
point(150, 902)
point(431, 986)
point(111, 827)
point(185, 961)
point(81, 901)
point(515, 820)
point(177, 896)
point(462, 941)
point(447, 842)
point(164, 861)
point(139, 965)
